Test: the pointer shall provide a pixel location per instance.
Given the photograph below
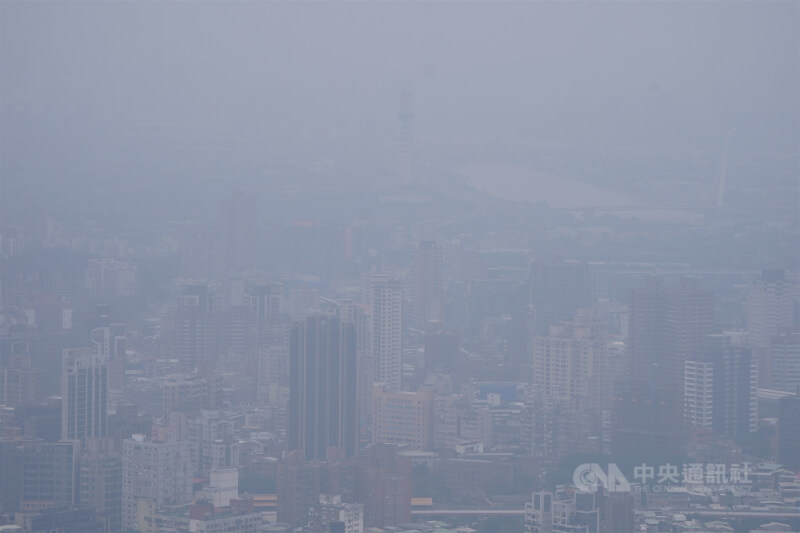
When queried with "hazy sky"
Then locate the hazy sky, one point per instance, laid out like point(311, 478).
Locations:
point(95, 88)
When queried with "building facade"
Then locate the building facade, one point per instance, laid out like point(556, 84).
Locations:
point(322, 411)
point(428, 282)
point(402, 417)
point(84, 389)
point(156, 473)
point(386, 305)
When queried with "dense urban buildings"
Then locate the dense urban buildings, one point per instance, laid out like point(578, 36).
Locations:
point(438, 267)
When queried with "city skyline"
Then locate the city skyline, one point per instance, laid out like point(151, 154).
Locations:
point(399, 267)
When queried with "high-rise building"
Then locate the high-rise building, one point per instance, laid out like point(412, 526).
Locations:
point(770, 307)
point(386, 305)
point(428, 282)
point(298, 485)
point(569, 364)
point(84, 389)
point(214, 445)
point(789, 432)
point(49, 475)
point(11, 465)
point(769, 311)
point(100, 475)
point(720, 387)
point(365, 381)
point(273, 359)
point(698, 393)
point(265, 301)
point(110, 341)
point(238, 335)
point(20, 382)
point(735, 391)
point(667, 327)
point(357, 314)
point(111, 278)
point(322, 404)
point(785, 362)
point(196, 321)
point(446, 422)
point(384, 486)
point(402, 417)
point(156, 473)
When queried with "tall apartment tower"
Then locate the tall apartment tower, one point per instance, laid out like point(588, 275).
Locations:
point(273, 359)
point(358, 314)
point(110, 341)
point(155, 474)
point(385, 486)
point(769, 311)
point(570, 364)
point(386, 302)
point(770, 308)
point(668, 326)
point(428, 282)
point(84, 389)
point(322, 404)
point(100, 476)
point(698, 393)
point(195, 326)
point(720, 389)
point(298, 486)
point(786, 362)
